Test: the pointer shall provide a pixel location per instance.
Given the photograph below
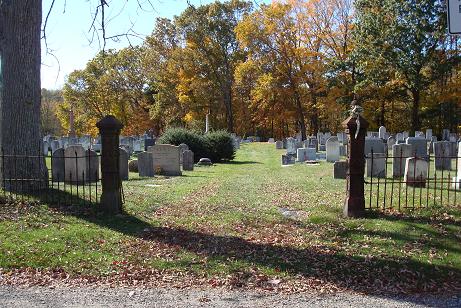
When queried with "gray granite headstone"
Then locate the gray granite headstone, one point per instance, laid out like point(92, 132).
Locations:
point(146, 164)
point(123, 164)
point(57, 165)
point(188, 160)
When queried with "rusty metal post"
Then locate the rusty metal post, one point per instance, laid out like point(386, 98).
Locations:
point(111, 198)
point(354, 206)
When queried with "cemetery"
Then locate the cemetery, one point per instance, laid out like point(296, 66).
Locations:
point(255, 149)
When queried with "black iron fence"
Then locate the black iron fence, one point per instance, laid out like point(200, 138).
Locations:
point(62, 179)
point(411, 181)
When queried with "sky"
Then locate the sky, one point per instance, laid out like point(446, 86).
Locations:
point(69, 43)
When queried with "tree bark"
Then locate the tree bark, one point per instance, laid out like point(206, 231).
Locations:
point(228, 105)
point(20, 26)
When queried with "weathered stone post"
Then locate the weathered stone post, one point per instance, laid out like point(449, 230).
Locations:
point(354, 205)
point(111, 199)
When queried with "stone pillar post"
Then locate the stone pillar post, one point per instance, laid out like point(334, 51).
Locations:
point(111, 198)
point(354, 205)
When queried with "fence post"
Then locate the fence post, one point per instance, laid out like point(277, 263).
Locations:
point(111, 199)
point(354, 206)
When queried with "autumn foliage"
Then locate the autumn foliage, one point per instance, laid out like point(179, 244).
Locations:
point(275, 70)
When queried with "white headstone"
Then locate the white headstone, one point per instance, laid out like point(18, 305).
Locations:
point(400, 153)
point(382, 132)
point(428, 134)
point(332, 148)
point(416, 170)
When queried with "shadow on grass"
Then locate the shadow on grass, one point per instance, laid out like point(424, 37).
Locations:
point(241, 162)
point(317, 265)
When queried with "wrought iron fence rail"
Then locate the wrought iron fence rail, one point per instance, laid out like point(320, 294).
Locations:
point(433, 186)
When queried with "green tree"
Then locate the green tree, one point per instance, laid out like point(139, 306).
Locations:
point(398, 40)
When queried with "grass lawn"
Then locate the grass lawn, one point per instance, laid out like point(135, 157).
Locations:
point(249, 223)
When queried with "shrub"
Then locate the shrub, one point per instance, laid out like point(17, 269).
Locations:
point(216, 145)
point(221, 146)
point(195, 141)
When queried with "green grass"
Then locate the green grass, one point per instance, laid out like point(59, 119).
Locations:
point(223, 223)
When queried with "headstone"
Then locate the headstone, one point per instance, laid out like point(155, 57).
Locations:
point(390, 142)
point(271, 140)
point(133, 166)
point(138, 146)
point(85, 141)
point(182, 147)
point(376, 165)
point(313, 143)
point(305, 154)
point(45, 148)
point(442, 153)
point(457, 180)
point(128, 150)
point(92, 166)
point(419, 134)
point(146, 164)
point(375, 144)
point(428, 134)
point(299, 137)
point(288, 160)
point(453, 149)
point(342, 150)
point(74, 164)
point(342, 137)
point(188, 160)
point(123, 164)
point(399, 137)
point(332, 148)
point(416, 170)
point(148, 143)
point(54, 145)
point(291, 146)
point(400, 152)
point(405, 135)
point(382, 132)
point(279, 145)
point(204, 161)
point(166, 159)
point(419, 145)
point(96, 147)
point(57, 165)
point(340, 169)
point(446, 135)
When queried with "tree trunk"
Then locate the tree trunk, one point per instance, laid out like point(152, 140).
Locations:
point(299, 109)
point(228, 105)
point(20, 23)
point(314, 114)
point(415, 120)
